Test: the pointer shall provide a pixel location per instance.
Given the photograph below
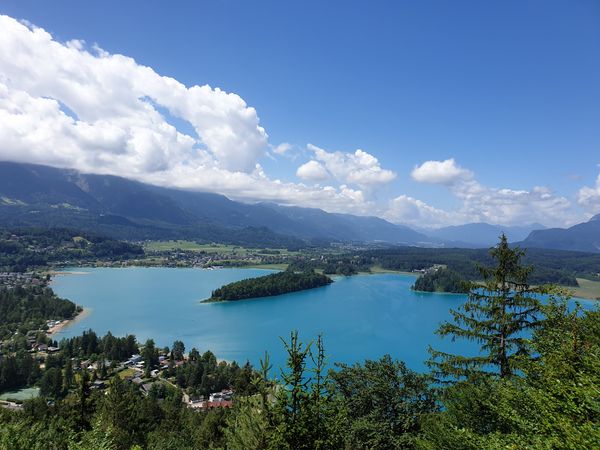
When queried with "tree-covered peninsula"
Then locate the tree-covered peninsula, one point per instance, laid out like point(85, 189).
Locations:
point(269, 285)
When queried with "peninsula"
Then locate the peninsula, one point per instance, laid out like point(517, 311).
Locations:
point(269, 285)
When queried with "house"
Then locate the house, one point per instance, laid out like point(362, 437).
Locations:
point(196, 404)
point(223, 396)
point(42, 348)
point(223, 399)
point(134, 360)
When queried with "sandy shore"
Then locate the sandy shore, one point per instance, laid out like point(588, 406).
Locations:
point(65, 323)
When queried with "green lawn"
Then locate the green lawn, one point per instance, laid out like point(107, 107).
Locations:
point(20, 395)
point(129, 372)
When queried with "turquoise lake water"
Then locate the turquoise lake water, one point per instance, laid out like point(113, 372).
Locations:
point(363, 316)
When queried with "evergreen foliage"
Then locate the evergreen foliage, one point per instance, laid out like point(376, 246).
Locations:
point(26, 308)
point(28, 248)
point(384, 403)
point(549, 266)
point(496, 315)
point(554, 404)
point(441, 280)
point(269, 285)
point(551, 403)
point(544, 359)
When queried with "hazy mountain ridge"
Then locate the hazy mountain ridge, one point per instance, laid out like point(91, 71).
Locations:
point(583, 237)
point(65, 198)
point(46, 196)
point(482, 234)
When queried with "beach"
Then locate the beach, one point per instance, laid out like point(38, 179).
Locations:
point(58, 327)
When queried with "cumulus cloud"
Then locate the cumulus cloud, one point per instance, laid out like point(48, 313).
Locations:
point(409, 210)
point(589, 197)
point(113, 91)
point(440, 172)
point(478, 203)
point(359, 168)
point(312, 171)
point(514, 207)
point(68, 105)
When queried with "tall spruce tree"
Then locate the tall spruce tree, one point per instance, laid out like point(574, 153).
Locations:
point(497, 315)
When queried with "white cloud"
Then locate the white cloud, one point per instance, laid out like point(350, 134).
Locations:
point(312, 171)
point(478, 203)
point(359, 168)
point(440, 172)
point(495, 206)
point(516, 207)
point(114, 91)
point(64, 105)
point(408, 210)
point(589, 197)
point(282, 148)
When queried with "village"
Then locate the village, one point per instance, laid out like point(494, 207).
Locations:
point(10, 280)
point(133, 371)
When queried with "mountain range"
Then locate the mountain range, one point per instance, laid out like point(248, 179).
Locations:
point(583, 237)
point(482, 234)
point(32, 195)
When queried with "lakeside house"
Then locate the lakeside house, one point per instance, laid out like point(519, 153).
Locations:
point(223, 399)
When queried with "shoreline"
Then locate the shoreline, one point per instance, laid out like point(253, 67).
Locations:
point(579, 292)
point(56, 273)
point(56, 329)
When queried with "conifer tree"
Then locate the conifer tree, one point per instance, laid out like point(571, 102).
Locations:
point(497, 315)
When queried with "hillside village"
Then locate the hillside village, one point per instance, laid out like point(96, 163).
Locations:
point(131, 370)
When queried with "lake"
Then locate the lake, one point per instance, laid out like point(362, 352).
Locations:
point(363, 316)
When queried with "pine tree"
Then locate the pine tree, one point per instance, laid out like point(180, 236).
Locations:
point(83, 394)
point(69, 376)
point(150, 355)
point(497, 315)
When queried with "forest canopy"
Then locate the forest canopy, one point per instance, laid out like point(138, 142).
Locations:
point(270, 285)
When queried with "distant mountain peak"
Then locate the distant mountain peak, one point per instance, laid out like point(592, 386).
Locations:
point(595, 218)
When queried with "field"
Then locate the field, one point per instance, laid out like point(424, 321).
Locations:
point(268, 266)
point(186, 245)
point(379, 269)
point(211, 248)
point(588, 289)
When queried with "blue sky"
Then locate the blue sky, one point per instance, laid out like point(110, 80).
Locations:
point(510, 91)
